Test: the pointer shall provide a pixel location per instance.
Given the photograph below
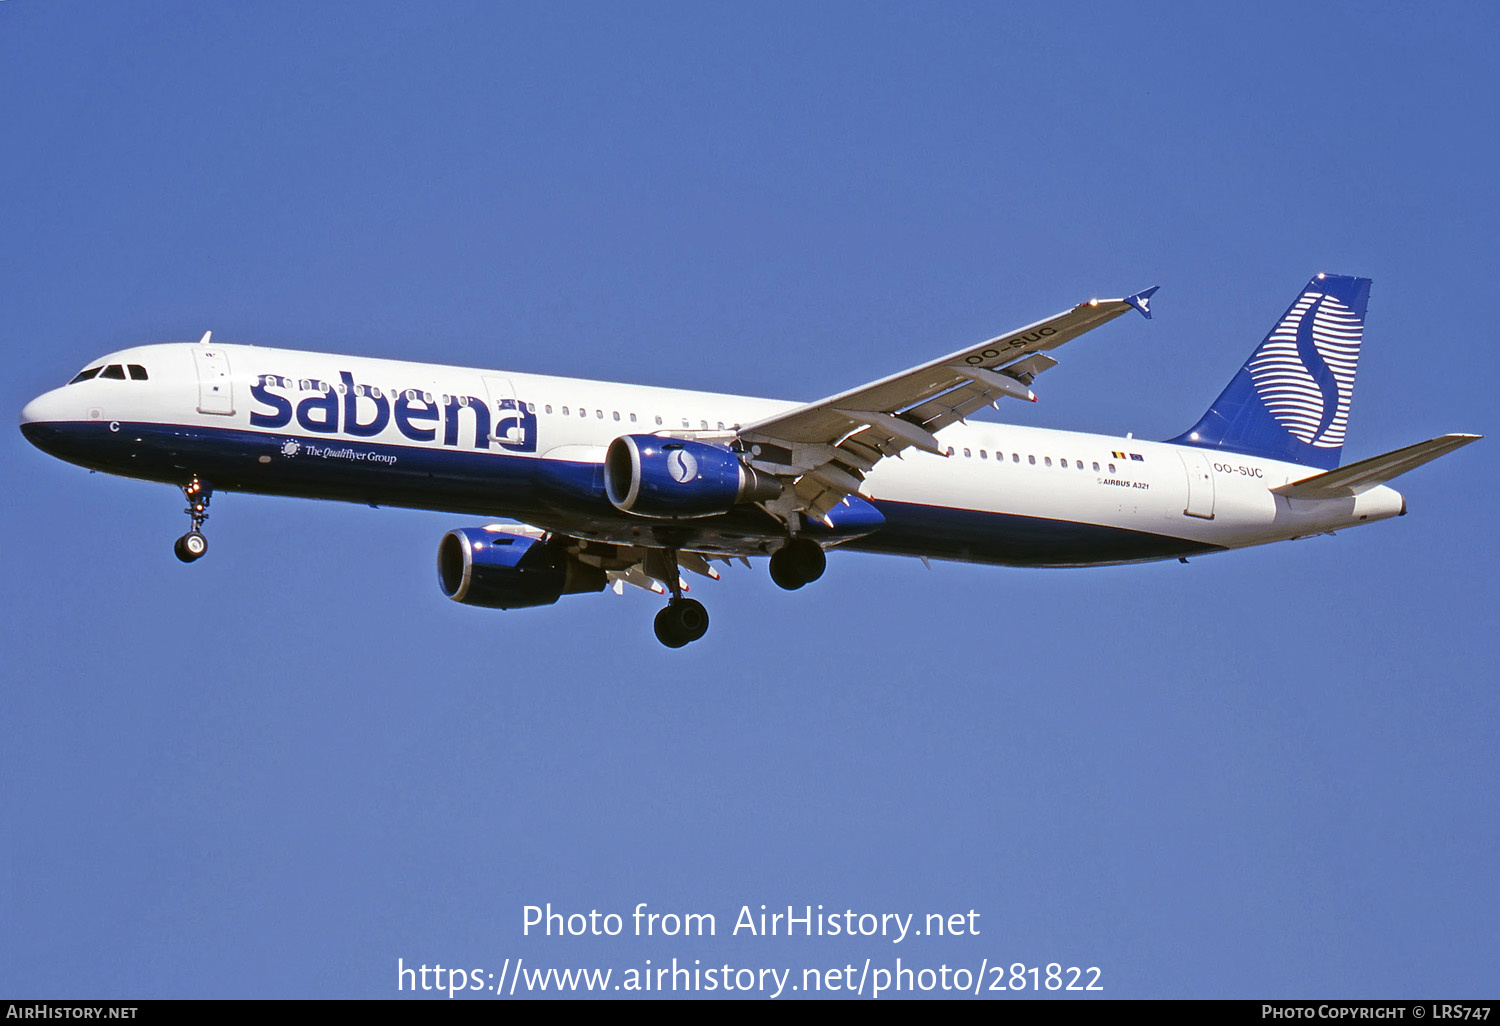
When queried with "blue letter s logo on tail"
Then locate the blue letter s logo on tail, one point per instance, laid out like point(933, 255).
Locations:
point(1290, 401)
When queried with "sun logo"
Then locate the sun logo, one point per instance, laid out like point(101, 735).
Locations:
point(290, 449)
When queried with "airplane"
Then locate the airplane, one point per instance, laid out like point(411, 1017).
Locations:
point(611, 484)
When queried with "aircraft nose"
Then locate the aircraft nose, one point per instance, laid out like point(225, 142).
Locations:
point(39, 416)
point(32, 412)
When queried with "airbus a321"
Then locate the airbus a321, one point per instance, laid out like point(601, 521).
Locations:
point(611, 485)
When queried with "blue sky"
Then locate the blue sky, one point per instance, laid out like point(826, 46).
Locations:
point(274, 773)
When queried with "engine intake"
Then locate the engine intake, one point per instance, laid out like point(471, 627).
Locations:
point(506, 571)
point(652, 476)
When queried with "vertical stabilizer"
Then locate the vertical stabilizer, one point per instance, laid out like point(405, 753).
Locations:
point(1290, 401)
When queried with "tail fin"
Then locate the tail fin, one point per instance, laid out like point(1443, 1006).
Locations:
point(1291, 399)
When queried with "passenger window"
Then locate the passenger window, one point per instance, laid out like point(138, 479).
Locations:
point(721, 425)
point(84, 375)
point(1096, 466)
point(705, 424)
point(1047, 460)
point(617, 415)
point(983, 455)
point(1111, 468)
point(599, 414)
point(582, 412)
point(968, 455)
point(548, 407)
point(1080, 464)
point(632, 418)
point(137, 372)
point(658, 420)
point(1015, 457)
point(565, 411)
point(113, 371)
point(1031, 460)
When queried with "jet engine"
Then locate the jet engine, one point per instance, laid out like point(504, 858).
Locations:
point(504, 571)
point(669, 478)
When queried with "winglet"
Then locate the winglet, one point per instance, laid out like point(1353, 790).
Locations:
point(1142, 301)
point(206, 336)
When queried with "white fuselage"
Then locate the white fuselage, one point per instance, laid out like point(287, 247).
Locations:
point(279, 421)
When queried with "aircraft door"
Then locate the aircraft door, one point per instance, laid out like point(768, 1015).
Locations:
point(1200, 482)
point(215, 387)
point(514, 424)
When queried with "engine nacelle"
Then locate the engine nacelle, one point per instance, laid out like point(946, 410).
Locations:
point(652, 476)
point(506, 571)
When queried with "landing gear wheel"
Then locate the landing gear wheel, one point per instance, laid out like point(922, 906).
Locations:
point(784, 573)
point(680, 622)
point(798, 562)
point(190, 547)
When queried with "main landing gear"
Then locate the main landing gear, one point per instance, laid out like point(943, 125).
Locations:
point(193, 545)
point(798, 562)
point(683, 620)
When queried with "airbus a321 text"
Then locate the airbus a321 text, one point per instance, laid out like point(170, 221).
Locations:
point(615, 484)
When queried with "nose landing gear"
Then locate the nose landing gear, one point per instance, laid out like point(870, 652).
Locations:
point(193, 545)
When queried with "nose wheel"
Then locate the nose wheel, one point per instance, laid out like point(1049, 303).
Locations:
point(193, 545)
point(190, 546)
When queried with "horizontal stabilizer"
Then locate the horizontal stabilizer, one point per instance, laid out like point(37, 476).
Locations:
point(1377, 470)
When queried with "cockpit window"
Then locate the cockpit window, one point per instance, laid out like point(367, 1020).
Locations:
point(114, 371)
point(84, 375)
point(137, 372)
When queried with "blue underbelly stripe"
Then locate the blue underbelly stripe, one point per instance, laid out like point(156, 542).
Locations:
point(555, 494)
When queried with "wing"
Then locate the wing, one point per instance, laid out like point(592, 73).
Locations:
point(828, 447)
point(645, 567)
